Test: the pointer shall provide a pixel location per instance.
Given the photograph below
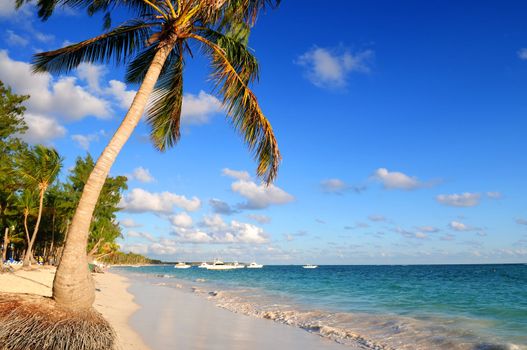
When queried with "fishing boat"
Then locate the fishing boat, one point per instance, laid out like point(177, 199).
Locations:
point(309, 266)
point(181, 265)
point(254, 265)
point(204, 265)
point(236, 265)
point(220, 265)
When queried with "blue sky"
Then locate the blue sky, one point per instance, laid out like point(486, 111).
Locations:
point(401, 128)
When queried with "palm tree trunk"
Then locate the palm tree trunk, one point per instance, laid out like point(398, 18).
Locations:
point(73, 285)
point(27, 261)
point(29, 253)
point(6, 244)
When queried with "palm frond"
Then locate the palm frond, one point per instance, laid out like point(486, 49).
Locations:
point(118, 44)
point(237, 53)
point(245, 113)
point(164, 111)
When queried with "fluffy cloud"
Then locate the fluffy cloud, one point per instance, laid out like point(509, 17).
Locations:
point(397, 180)
point(141, 174)
point(257, 196)
point(41, 129)
point(221, 207)
point(198, 109)
point(181, 220)
point(522, 54)
point(459, 200)
point(215, 230)
point(8, 9)
point(237, 174)
point(140, 201)
point(330, 68)
point(260, 196)
point(118, 90)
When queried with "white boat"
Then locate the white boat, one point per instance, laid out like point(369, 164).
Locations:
point(254, 265)
point(309, 266)
point(203, 265)
point(238, 266)
point(181, 265)
point(220, 265)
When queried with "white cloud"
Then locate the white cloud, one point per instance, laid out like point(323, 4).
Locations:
point(522, 54)
point(118, 90)
point(8, 9)
point(92, 74)
point(330, 68)
point(84, 141)
point(333, 185)
point(459, 200)
point(50, 98)
point(260, 196)
point(41, 129)
point(215, 230)
point(397, 180)
point(139, 201)
point(181, 220)
point(14, 39)
point(261, 219)
point(257, 196)
point(461, 227)
point(198, 109)
point(237, 174)
point(494, 195)
point(129, 223)
point(141, 174)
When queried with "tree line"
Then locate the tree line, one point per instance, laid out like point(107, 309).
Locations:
point(37, 200)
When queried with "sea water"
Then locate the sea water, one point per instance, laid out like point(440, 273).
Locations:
point(479, 307)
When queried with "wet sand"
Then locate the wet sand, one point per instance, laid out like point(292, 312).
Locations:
point(171, 318)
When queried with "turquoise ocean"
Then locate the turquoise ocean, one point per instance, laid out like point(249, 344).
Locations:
point(476, 307)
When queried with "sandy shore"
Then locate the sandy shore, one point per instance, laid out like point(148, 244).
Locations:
point(171, 318)
point(112, 299)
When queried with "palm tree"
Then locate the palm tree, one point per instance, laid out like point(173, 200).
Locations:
point(154, 46)
point(38, 168)
point(27, 202)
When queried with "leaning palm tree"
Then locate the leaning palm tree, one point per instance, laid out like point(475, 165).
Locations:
point(154, 46)
point(38, 168)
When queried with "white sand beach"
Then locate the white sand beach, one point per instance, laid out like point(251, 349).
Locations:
point(147, 316)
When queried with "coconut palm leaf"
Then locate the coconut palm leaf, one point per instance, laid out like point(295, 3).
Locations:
point(119, 44)
point(243, 108)
point(164, 112)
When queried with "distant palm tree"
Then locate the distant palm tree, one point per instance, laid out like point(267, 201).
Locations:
point(28, 203)
point(154, 45)
point(38, 168)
